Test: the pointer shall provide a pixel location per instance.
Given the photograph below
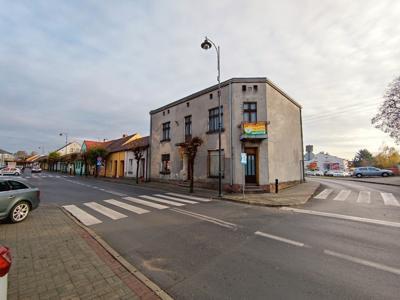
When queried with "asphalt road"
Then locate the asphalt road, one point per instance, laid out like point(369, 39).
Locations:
point(224, 250)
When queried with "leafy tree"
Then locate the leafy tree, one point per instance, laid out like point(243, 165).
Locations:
point(21, 154)
point(388, 117)
point(363, 158)
point(387, 157)
point(53, 158)
point(139, 153)
point(190, 148)
point(93, 154)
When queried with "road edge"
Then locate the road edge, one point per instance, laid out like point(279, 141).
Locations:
point(128, 266)
point(249, 202)
point(373, 182)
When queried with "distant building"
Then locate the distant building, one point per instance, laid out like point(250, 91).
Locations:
point(258, 119)
point(5, 157)
point(323, 161)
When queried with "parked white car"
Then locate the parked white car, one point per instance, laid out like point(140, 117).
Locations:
point(10, 171)
point(336, 173)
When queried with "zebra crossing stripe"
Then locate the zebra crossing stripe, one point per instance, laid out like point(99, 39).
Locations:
point(81, 215)
point(176, 199)
point(389, 199)
point(162, 200)
point(364, 197)
point(343, 194)
point(108, 212)
point(146, 203)
point(190, 197)
point(324, 194)
point(131, 208)
point(113, 192)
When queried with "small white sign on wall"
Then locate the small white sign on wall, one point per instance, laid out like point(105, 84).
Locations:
point(243, 158)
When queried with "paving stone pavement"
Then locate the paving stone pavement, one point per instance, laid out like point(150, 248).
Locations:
point(53, 258)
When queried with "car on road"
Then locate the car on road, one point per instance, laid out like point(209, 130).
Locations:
point(10, 171)
point(336, 173)
point(36, 170)
point(17, 199)
point(371, 171)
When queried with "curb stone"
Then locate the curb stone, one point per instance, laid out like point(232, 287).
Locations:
point(134, 271)
point(269, 204)
point(373, 182)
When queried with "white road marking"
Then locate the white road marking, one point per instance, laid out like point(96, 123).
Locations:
point(390, 199)
point(206, 218)
point(363, 262)
point(281, 239)
point(364, 197)
point(81, 215)
point(343, 217)
point(57, 176)
point(147, 203)
point(129, 207)
point(343, 194)
point(43, 176)
point(176, 199)
point(27, 177)
point(50, 176)
point(115, 193)
point(108, 212)
point(190, 197)
point(162, 200)
point(324, 194)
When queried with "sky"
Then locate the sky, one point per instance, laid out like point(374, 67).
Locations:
point(94, 69)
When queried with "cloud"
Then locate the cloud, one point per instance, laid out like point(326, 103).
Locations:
point(95, 69)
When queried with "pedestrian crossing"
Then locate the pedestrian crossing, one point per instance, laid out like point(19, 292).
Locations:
point(93, 212)
point(360, 197)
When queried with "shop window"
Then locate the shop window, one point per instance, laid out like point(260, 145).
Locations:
point(213, 163)
point(165, 164)
point(166, 131)
point(250, 112)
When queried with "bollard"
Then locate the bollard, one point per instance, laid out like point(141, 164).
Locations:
point(276, 186)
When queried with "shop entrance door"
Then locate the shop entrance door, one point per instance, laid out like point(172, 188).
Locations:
point(251, 165)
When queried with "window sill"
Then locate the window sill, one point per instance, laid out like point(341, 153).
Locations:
point(166, 140)
point(215, 131)
point(165, 173)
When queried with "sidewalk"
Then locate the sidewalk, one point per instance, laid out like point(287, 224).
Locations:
point(54, 258)
point(296, 195)
point(393, 180)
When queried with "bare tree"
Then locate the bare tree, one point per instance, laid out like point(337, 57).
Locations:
point(190, 148)
point(388, 117)
point(139, 153)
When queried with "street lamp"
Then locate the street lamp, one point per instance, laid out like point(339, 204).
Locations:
point(207, 44)
point(66, 140)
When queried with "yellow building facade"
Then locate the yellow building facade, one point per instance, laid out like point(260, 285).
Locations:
point(115, 164)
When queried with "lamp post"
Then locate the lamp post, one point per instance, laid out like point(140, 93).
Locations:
point(207, 44)
point(66, 139)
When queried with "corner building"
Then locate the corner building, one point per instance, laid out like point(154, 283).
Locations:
point(258, 118)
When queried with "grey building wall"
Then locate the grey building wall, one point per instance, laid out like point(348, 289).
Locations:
point(279, 156)
point(285, 151)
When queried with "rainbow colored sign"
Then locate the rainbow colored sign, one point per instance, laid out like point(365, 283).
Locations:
point(259, 128)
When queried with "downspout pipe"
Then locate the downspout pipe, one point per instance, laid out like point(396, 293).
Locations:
point(149, 149)
point(302, 148)
point(231, 132)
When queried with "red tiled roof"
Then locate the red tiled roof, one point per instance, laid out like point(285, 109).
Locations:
point(120, 144)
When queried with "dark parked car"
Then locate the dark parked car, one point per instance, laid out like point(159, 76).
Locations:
point(17, 199)
point(371, 171)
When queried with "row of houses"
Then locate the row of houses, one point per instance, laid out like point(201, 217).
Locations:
point(119, 160)
point(259, 122)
